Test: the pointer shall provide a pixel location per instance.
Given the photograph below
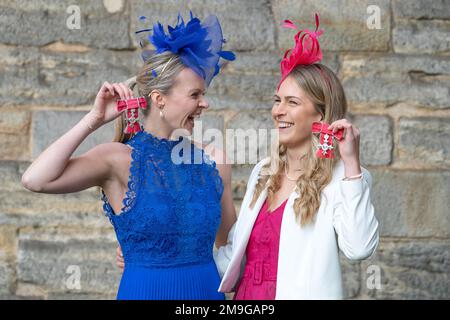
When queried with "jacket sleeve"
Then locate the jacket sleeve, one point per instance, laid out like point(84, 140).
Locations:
point(222, 256)
point(354, 218)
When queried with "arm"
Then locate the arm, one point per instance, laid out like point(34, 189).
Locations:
point(224, 239)
point(222, 256)
point(354, 218)
point(224, 235)
point(119, 259)
point(228, 209)
point(353, 214)
point(55, 172)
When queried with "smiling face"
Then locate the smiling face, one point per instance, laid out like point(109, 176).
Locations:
point(185, 102)
point(293, 113)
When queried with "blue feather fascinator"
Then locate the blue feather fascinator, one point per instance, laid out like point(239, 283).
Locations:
point(198, 44)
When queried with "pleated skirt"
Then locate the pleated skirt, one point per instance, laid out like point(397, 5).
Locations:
point(193, 282)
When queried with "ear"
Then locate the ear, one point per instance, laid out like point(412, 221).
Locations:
point(319, 117)
point(156, 97)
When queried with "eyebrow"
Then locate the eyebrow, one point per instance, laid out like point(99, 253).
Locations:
point(287, 97)
point(199, 90)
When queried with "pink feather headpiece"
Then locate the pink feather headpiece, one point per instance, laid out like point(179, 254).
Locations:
point(306, 51)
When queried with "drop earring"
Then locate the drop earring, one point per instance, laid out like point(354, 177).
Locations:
point(161, 114)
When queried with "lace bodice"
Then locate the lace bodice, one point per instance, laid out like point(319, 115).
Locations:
point(171, 211)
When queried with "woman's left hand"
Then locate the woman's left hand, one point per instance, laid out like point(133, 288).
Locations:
point(349, 145)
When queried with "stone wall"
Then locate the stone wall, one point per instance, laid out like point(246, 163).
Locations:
point(397, 80)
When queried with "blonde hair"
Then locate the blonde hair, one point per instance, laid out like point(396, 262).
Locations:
point(166, 66)
point(327, 94)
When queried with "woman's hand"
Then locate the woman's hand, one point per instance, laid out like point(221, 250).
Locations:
point(104, 109)
point(348, 146)
point(119, 259)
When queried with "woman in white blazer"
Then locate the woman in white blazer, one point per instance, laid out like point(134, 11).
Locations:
point(328, 204)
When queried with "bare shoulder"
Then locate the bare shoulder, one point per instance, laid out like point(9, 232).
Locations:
point(115, 155)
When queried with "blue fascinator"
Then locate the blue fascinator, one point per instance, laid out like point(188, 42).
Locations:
point(198, 44)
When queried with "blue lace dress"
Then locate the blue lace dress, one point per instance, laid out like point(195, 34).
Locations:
point(168, 223)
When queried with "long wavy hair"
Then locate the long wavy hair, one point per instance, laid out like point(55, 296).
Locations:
point(327, 94)
point(167, 66)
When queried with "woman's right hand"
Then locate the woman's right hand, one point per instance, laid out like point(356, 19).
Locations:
point(104, 109)
point(119, 259)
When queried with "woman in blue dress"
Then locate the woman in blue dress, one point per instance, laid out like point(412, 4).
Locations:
point(167, 199)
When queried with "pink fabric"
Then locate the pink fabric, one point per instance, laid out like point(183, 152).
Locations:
point(259, 281)
point(306, 51)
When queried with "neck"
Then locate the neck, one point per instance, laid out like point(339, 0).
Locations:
point(294, 154)
point(157, 128)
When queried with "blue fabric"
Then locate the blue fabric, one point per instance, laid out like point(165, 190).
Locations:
point(168, 223)
point(198, 44)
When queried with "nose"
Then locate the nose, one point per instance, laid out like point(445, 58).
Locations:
point(204, 103)
point(278, 110)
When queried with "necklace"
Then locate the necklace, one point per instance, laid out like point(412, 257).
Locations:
point(287, 176)
point(285, 168)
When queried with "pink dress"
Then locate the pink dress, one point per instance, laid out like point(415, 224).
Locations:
point(259, 281)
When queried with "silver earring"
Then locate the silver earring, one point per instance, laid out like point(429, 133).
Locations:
point(161, 114)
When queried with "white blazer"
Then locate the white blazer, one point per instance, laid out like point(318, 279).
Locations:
point(308, 261)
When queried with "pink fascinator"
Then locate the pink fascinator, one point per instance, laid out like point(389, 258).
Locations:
point(306, 51)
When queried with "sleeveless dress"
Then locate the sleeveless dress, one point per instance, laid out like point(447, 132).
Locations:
point(168, 223)
point(259, 281)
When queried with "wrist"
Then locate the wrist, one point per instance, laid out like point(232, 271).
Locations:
point(351, 178)
point(352, 167)
point(90, 122)
point(351, 161)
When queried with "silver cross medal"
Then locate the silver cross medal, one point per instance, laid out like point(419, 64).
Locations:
point(325, 146)
point(132, 118)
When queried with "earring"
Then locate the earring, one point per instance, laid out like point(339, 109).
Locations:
point(161, 114)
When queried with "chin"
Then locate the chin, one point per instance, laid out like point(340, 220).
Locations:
point(286, 140)
point(286, 144)
point(290, 141)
